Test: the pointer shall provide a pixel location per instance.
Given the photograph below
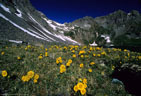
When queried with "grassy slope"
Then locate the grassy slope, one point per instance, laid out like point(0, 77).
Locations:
point(51, 81)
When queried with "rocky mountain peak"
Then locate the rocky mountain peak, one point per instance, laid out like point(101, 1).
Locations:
point(135, 13)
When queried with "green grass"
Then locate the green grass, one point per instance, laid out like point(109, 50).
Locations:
point(51, 81)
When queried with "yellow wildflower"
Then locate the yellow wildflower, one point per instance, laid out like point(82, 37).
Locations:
point(73, 51)
point(46, 54)
point(75, 88)
point(25, 78)
point(102, 73)
point(103, 53)
point(90, 70)
point(94, 54)
point(91, 48)
point(80, 86)
point(113, 67)
point(36, 76)
point(35, 80)
point(81, 65)
point(30, 74)
point(68, 64)
point(82, 56)
point(139, 57)
point(70, 61)
point(25, 48)
point(85, 81)
point(98, 55)
point(59, 60)
point(83, 91)
point(29, 46)
point(74, 56)
point(92, 63)
point(2, 53)
point(79, 80)
point(85, 85)
point(128, 54)
point(18, 58)
point(40, 57)
point(81, 52)
point(62, 68)
point(125, 50)
point(4, 73)
point(98, 48)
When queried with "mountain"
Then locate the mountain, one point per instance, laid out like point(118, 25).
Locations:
point(20, 21)
point(118, 28)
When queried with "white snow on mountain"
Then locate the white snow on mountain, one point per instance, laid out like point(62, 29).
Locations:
point(59, 24)
point(93, 44)
point(39, 35)
point(1, 15)
point(69, 39)
point(4, 8)
point(61, 32)
point(19, 14)
point(56, 25)
point(129, 14)
point(15, 41)
point(60, 37)
point(107, 38)
point(96, 34)
point(87, 25)
point(50, 23)
point(41, 32)
point(42, 28)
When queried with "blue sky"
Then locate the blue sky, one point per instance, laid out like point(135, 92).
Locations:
point(70, 10)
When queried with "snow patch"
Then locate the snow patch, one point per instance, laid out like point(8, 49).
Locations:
point(20, 13)
point(50, 23)
point(39, 35)
point(129, 14)
point(59, 24)
point(107, 38)
point(69, 39)
point(76, 25)
point(60, 37)
point(111, 45)
point(93, 44)
point(96, 34)
point(87, 25)
point(15, 41)
point(4, 8)
point(61, 32)
point(65, 38)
